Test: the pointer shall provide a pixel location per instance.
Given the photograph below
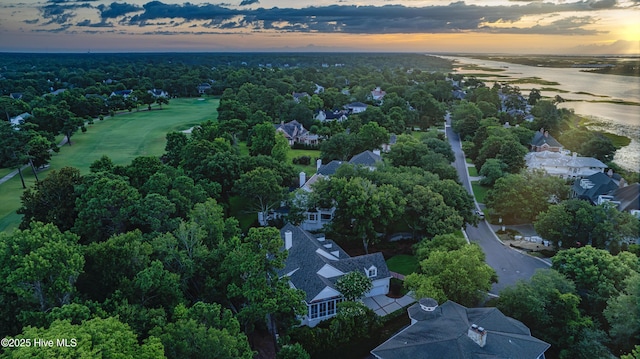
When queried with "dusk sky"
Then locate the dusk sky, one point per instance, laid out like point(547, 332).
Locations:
point(496, 26)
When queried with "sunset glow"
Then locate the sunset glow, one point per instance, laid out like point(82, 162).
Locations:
point(579, 27)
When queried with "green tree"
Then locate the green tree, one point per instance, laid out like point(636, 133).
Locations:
point(280, 148)
point(427, 214)
point(203, 331)
point(53, 200)
point(105, 208)
point(492, 170)
point(263, 138)
point(262, 186)
point(340, 146)
point(106, 338)
point(465, 119)
point(354, 285)
point(40, 265)
point(371, 136)
point(292, 351)
point(548, 305)
point(256, 291)
point(623, 314)
point(598, 275)
point(443, 242)
point(459, 275)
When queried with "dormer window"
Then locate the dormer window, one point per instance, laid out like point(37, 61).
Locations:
point(372, 272)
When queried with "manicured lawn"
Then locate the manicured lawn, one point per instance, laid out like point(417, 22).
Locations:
point(10, 192)
point(122, 138)
point(480, 192)
point(473, 172)
point(5, 171)
point(468, 160)
point(310, 170)
point(133, 134)
point(403, 264)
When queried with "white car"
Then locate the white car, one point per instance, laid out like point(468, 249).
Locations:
point(480, 214)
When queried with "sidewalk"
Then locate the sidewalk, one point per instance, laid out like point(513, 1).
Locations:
point(383, 305)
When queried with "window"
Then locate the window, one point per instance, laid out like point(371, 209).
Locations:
point(325, 217)
point(313, 310)
point(323, 309)
point(313, 217)
point(372, 272)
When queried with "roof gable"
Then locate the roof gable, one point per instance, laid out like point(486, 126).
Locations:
point(366, 158)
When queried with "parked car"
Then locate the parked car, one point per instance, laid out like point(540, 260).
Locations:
point(480, 214)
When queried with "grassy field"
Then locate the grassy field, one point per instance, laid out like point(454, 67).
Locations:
point(133, 134)
point(122, 138)
point(403, 264)
point(480, 192)
point(310, 170)
point(473, 172)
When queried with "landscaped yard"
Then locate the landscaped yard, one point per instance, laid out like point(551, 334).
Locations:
point(122, 138)
point(473, 172)
point(403, 264)
point(310, 170)
point(480, 192)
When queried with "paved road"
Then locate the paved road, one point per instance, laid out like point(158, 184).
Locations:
point(510, 265)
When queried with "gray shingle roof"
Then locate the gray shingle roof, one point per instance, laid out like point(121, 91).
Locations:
point(330, 168)
point(540, 139)
point(628, 196)
point(366, 158)
point(304, 262)
point(443, 334)
point(593, 186)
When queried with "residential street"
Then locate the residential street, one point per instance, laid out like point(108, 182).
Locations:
point(510, 264)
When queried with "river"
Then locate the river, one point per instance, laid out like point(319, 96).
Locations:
point(580, 89)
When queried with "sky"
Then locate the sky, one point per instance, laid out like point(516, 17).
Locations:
point(431, 26)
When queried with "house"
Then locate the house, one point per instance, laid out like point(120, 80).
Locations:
point(158, 93)
point(367, 159)
point(324, 116)
point(123, 93)
point(294, 132)
point(592, 187)
point(386, 147)
point(204, 88)
point(377, 94)
point(356, 107)
point(542, 141)
point(297, 96)
point(627, 198)
point(453, 331)
point(20, 119)
point(563, 165)
point(57, 92)
point(315, 264)
point(317, 218)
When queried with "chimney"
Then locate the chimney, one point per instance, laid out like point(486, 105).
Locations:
point(610, 172)
point(318, 164)
point(546, 133)
point(478, 335)
point(288, 240)
point(376, 151)
point(303, 178)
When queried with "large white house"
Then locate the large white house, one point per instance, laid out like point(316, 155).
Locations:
point(315, 264)
point(563, 165)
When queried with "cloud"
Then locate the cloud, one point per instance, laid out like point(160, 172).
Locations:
point(88, 23)
point(115, 10)
point(31, 22)
point(388, 19)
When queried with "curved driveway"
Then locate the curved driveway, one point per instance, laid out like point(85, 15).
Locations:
point(510, 265)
